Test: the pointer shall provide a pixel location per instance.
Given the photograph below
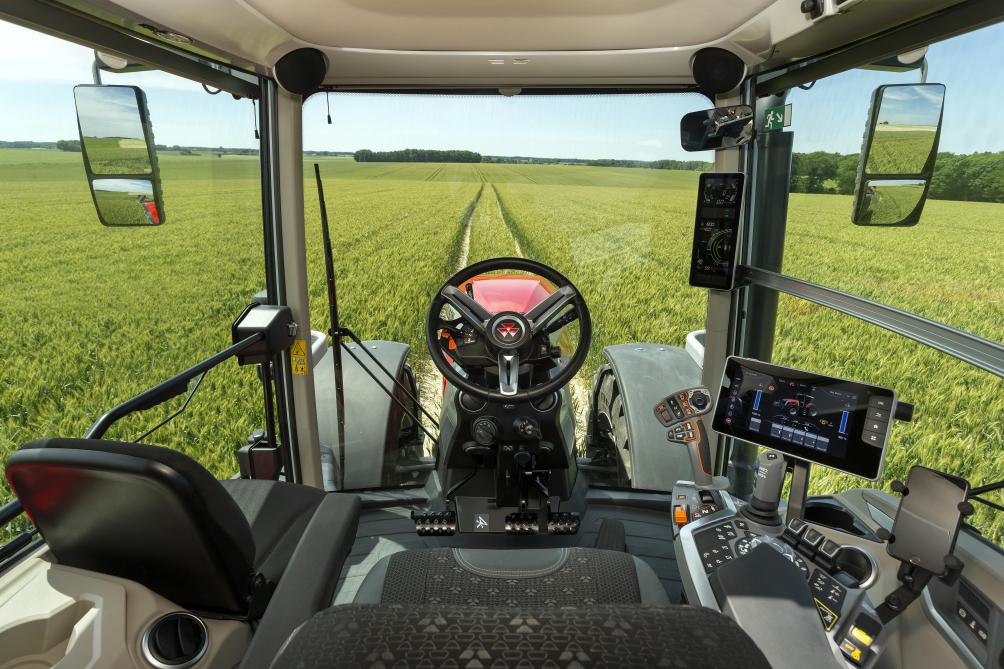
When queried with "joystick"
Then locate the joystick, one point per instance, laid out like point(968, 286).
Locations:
point(769, 479)
point(681, 413)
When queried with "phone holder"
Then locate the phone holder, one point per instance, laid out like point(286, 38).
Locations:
point(914, 578)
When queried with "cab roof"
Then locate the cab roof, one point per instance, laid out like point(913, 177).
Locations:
point(510, 43)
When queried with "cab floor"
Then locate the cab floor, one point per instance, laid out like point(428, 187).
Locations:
point(386, 528)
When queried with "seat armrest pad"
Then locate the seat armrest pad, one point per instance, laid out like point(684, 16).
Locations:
point(309, 580)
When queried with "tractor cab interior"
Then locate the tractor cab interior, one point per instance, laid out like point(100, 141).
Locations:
point(561, 401)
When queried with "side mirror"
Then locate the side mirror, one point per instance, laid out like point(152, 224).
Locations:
point(898, 154)
point(719, 128)
point(120, 158)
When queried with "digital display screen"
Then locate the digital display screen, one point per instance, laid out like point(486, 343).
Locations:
point(719, 200)
point(829, 421)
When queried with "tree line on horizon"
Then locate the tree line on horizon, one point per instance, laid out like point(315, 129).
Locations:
point(971, 177)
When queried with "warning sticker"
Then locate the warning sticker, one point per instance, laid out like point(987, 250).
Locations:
point(828, 617)
point(298, 357)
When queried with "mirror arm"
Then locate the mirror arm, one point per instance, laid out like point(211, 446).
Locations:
point(168, 389)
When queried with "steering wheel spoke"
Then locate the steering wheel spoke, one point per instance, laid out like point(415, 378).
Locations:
point(508, 373)
point(469, 310)
point(549, 307)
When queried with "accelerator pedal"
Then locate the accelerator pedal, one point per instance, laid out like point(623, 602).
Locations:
point(434, 523)
point(524, 524)
point(564, 522)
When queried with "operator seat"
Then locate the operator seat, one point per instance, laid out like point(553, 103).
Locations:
point(156, 516)
point(464, 636)
point(541, 577)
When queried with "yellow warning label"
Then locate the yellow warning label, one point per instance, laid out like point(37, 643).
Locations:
point(828, 617)
point(298, 357)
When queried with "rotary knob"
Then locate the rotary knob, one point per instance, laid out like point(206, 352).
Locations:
point(485, 431)
point(699, 401)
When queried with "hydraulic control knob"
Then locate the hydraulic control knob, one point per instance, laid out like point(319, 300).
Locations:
point(699, 401)
point(526, 428)
point(485, 431)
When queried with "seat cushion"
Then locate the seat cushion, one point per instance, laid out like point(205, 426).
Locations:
point(403, 636)
point(277, 512)
point(558, 577)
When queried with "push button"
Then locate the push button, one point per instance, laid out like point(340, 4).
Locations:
point(812, 538)
point(680, 515)
point(880, 402)
point(852, 652)
point(861, 636)
point(873, 438)
point(878, 414)
point(879, 426)
point(793, 530)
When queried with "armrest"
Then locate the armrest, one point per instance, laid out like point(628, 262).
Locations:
point(308, 583)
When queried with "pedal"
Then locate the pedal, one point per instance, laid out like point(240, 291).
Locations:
point(564, 522)
point(434, 523)
point(522, 523)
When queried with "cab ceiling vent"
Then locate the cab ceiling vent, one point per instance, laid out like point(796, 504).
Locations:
point(301, 71)
point(717, 71)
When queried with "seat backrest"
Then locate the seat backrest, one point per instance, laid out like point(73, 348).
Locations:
point(139, 512)
point(602, 636)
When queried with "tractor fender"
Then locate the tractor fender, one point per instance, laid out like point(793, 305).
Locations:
point(372, 418)
point(645, 374)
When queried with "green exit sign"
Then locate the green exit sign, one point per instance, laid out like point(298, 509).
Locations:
point(776, 118)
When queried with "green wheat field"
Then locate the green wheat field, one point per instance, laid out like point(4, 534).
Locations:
point(92, 315)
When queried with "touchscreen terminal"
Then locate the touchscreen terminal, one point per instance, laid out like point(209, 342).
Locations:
point(719, 205)
point(833, 422)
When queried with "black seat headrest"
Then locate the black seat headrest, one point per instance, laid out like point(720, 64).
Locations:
point(145, 513)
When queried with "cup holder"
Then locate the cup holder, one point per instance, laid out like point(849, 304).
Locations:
point(175, 641)
point(858, 564)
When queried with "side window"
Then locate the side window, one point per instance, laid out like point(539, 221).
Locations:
point(94, 315)
point(949, 267)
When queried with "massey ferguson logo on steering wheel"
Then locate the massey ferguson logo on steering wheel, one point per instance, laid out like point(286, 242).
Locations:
point(509, 330)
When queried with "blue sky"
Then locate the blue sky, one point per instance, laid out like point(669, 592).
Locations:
point(38, 73)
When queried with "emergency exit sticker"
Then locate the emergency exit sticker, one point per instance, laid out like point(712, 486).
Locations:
point(298, 357)
point(776, 118)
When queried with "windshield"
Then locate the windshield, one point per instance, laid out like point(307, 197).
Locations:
point(595, 186)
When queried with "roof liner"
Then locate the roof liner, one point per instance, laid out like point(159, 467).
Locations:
point(506, 25)
point(512, 43)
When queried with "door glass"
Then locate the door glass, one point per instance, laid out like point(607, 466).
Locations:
point(957, 425)
point(950, 266)
point(93, 315)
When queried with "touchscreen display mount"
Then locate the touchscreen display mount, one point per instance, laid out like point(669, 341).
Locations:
point(833, 422)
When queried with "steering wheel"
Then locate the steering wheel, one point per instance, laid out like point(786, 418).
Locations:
point(480, 339)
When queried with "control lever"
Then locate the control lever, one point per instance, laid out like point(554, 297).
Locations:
point(767, 485)
point(681, 412)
